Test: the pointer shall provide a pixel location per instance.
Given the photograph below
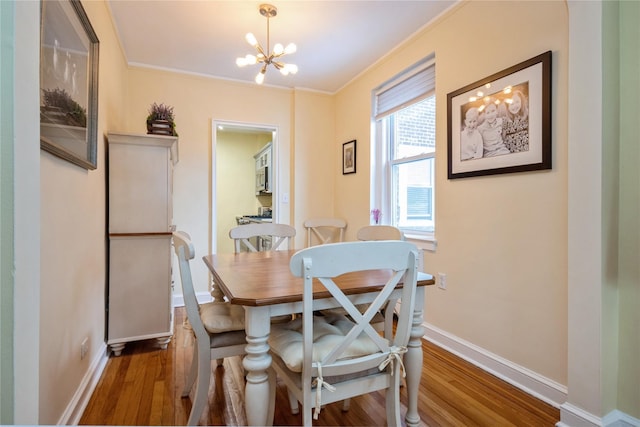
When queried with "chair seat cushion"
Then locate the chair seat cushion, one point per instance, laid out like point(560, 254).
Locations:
point(222, 317)
point(286, 340)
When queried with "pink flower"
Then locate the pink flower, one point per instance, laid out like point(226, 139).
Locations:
point(377, 214)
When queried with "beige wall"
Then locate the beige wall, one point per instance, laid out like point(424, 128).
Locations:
point(314, 160)
point(507, 271)
point(501, 239)
point(73, 262)
point(198, 101)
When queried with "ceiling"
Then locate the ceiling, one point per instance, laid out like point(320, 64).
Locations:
point(336, 40)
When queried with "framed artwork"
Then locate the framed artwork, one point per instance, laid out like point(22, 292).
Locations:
point(502, 123)
point(68, 83)
point(349, 157)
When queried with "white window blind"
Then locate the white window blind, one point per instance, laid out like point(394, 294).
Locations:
point(405, 91)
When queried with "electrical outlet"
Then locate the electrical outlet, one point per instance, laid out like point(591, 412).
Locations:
point(442, 281)
point(84, 348)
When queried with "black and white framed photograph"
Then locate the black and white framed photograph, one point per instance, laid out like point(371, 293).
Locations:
point(502, 123)
point(68, 83)
point(349, 157)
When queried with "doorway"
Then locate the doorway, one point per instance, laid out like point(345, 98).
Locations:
point(233, 177)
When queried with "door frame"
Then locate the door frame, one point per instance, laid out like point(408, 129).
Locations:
point(215, 124)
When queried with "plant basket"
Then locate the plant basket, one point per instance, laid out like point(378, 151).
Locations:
point(159, 127)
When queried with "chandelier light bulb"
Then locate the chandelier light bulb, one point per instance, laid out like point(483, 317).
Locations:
point(251, 39)
point(293, 68)
point(287, 69)
point(250, 59)
point(278, 49)
point(291, 48)
point(260, 77)
point(241, 62)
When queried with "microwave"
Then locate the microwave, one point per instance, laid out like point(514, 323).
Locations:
point(262, 180)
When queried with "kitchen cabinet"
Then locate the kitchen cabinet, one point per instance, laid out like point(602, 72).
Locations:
point(264, 171)
point(140, 216)
point(263, 157)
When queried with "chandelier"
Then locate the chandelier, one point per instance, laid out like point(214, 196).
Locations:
point(264, 57)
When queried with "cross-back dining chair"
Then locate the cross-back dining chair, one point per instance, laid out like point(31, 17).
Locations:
point(279, 233)
point(218, 328)
point(324, 230)
point(379, 232)
point(324, 359)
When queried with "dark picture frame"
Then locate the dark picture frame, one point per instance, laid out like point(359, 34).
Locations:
point(349, 157)
point(68, 83)
point(502, 123)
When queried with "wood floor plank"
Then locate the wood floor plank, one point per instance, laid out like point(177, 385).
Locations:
point(143, 386)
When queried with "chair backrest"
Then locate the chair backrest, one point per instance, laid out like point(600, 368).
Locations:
point(185, 253)
point(325, 230)
point(380, 232)
point(277, 232)
point(326, 262)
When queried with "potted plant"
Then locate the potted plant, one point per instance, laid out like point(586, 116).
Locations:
point(160, 120)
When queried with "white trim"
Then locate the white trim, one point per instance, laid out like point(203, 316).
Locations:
point(530, 382)
point(77, 405)
point(618, 418)
point(571, 415)
point(202, 297)
point(422, 242)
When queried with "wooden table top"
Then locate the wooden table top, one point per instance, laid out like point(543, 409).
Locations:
point(264, 278)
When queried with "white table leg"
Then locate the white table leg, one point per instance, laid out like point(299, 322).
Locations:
point(257, 361)
point(413, 361)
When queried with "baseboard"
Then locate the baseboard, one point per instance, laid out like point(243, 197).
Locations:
point(571, 415)
point(619, 419)
point(178, 299)
point(80, 400)
point(526, 380)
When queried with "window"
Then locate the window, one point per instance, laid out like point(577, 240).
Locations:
point(403, 178)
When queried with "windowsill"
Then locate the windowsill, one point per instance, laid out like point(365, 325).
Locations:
point(424, 242)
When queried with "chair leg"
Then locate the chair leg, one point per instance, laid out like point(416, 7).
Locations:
point(191, 377)
point(272, 396)
point(346, 404)
point(393, 400)
point(202, 384)
point(293, 402)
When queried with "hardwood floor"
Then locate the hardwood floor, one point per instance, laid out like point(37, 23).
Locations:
point(144, 384)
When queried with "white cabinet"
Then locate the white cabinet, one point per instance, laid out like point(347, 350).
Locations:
point(263, 157)
point(264, 171)
point(140, 176)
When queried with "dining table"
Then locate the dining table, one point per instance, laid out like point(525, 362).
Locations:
point(262, 283)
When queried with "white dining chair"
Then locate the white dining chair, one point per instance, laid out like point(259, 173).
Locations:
point(324, 230)
point(379, 232)
point(324, 359)
point(278, 233)
point(218, 328)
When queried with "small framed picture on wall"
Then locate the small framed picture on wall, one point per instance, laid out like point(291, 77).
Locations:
point(349, 157)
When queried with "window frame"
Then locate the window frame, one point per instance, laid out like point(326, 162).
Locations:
point(382, 164)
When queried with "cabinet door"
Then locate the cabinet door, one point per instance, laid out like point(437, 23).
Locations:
point(139, 287)
point(139, 188)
